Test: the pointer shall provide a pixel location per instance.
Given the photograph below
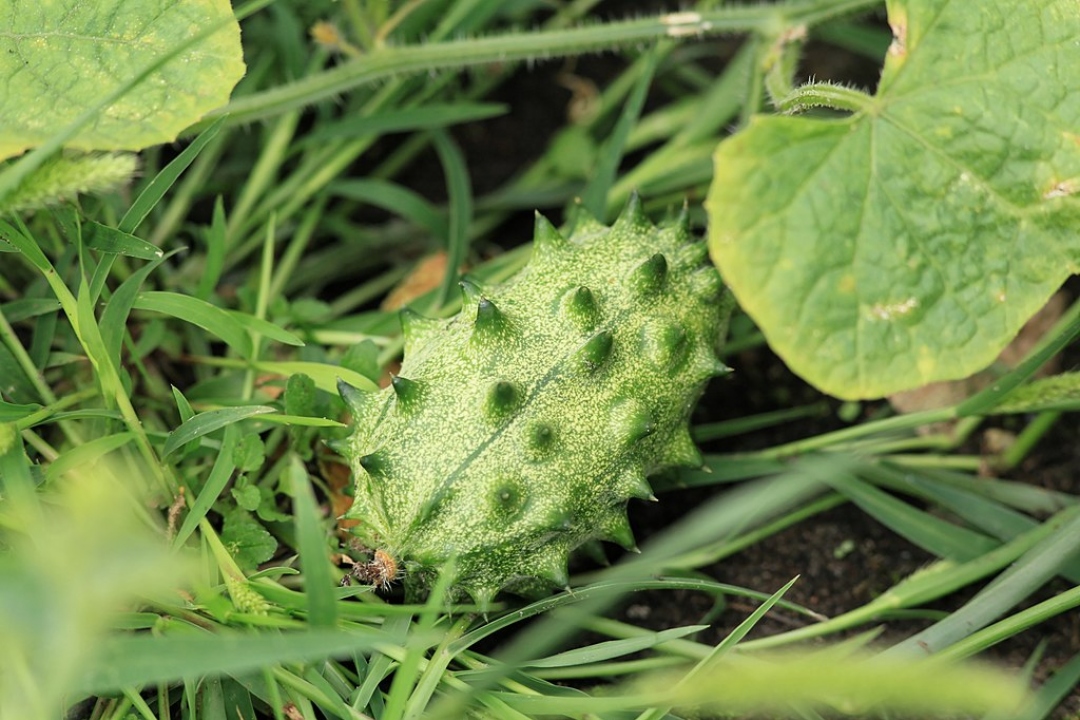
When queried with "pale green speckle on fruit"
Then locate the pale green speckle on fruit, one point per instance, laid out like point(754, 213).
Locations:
point(518, 430)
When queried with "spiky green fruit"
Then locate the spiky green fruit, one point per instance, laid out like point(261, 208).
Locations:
point(519, 429)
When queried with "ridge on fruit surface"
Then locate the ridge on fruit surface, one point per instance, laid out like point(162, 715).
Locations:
point(517, 430)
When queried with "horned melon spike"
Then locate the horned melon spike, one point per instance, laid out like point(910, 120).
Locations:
point(417, 330)
point(583, 222)
point(682, 221)
point(666, 345)
point(518, 431)
point(483, 596)
point(631, 421)
point(707, 284)
point(503, 398)
point(682, 452)
point(616, 528)
point(556, 573)
point(647, 279)
point(357, 400)
point(490, 322)
point(693, 253)
point(373, 463)
point(630, 482)
point(580, 305)
point(540, 441)
point(547, 240)
point(633, 217)
point(471, 293)
point(595, 352)
point(408, 392)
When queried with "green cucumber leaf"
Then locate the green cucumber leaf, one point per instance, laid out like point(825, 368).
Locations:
point(59, 58)
point(908, 242)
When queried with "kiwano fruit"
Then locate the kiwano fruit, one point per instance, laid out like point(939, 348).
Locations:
point(517, 430)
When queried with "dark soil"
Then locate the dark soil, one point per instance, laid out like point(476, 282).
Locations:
point(843, 557)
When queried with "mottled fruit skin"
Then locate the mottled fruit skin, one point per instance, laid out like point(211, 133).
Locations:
point(519, 429)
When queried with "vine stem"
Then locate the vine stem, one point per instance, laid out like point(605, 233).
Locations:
point(828, 95)
point(526, 46)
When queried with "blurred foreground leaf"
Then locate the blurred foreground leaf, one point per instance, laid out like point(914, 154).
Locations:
point(70, 561)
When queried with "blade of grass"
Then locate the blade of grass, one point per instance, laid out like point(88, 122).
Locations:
point(231, 326)
point(940, 537)
point(323, 694)
point(273, 151)
point(1023, 496)
point(115, 315)
point(16, 479)
point(215, 252)
point(28, 308)
point(1057, 688)
point(138, 660)
point(112, 387)
point(608, 649)
point(86, 454)
point(219, 477)
point(926, 585)
point(730, 641)
point(55, 411)
point(153, 192)
point(595, 196)
point(116, 242)
point(408, 673)
point(20, 364)
point(1024, 577)
point(198, 312)
point(1012, 625)
point(13, 412)
point(381, 666)
point(313, 549)
point(857, 685)
point(297, 248)
point(299, 421)
point(262, 282)
point(998, 520)
point(434, 673)
point(431, 116)
point(715, 431)
point(208, 422)
point(324, 375)
point(393, 198)
point(459, 190)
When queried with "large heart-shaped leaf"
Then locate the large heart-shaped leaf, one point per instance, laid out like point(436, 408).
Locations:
point(909, 241)
point(59, 57)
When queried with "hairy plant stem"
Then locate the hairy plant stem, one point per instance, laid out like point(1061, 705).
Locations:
point(530, 46)
point(828, 95)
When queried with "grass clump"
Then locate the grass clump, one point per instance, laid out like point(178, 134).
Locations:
point(169, 358)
